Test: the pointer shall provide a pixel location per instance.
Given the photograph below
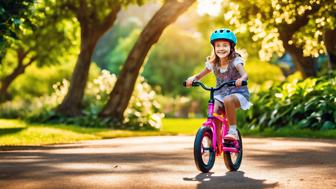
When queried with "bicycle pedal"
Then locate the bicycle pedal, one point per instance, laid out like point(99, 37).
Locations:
point(228, 143)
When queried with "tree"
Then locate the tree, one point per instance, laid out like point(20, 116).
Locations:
point(305, 64)
point(44, 44)
point(327, 25)
point(163, 56)
point(95, 18)
point(329, 39)
point(122, 91)
point(279, 26)
point(13, 15)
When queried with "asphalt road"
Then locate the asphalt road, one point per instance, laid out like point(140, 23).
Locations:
point(167, 162)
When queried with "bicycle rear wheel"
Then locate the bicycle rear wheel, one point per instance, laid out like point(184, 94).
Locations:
point(233, 160)
point(204, 154)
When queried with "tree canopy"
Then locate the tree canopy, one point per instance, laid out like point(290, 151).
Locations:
point(14, 16)
point(277, 26)
point(46, 43)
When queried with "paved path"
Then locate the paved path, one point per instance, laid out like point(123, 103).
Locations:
point(167, 162)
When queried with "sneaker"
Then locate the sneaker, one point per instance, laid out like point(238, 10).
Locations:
point(232, 135)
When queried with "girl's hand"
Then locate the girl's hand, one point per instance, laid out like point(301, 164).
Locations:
point(189, 81)
point(239, 82)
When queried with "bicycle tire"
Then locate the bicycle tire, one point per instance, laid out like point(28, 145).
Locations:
point(234, 166)
point(199, 150)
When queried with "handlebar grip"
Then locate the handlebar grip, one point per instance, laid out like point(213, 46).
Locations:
point(231, 83)
point(194, 84)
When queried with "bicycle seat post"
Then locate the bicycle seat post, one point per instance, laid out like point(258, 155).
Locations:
point(211, 103)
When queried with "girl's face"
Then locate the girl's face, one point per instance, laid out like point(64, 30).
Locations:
point(222, 48)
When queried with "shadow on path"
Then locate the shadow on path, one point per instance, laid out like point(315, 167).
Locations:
point(321, 157)
point(230, 180)
point(45, 164)
point(6, 131)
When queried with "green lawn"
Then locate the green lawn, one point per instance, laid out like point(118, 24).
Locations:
point(182, 126)
point(16, 132)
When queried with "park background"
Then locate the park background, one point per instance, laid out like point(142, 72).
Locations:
point(73, 70)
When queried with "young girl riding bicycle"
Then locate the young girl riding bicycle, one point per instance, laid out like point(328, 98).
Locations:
point(226, 64)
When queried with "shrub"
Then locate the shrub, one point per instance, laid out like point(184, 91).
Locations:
point(180, 106)
point(38, 81)
point(142, 112)
point(309, 103)
point(35, 108)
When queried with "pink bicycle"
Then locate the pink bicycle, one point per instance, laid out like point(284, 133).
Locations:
point(205, 145)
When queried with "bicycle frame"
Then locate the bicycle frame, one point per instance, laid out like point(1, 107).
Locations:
point(223, 120)
point(229, 146)
point(210, 121)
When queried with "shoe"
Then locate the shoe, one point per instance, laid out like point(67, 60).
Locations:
point(232, 135)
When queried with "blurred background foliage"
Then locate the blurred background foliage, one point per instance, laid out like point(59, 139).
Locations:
point(282, 92)
point(14, 15)
point(308, 103)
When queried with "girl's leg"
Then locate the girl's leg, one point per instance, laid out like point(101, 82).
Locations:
point(231, 103)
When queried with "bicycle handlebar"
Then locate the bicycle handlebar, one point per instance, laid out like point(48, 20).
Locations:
point(228, 83)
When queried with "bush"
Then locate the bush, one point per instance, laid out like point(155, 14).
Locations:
point(181, 107)
point(309, 103)
point(38, 82)
point(35, 108)
point(142, 112)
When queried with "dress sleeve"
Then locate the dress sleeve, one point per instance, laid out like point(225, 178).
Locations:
point(237, 61)
point(208, 66)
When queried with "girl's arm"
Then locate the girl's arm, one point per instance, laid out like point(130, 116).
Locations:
point(243, 75)
point(198, 76)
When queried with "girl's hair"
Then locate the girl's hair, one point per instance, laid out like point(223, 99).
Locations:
point(215, 61)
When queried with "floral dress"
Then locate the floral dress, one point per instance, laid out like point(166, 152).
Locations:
point(231, 73)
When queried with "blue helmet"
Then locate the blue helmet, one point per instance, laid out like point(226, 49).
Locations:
point(223, 33)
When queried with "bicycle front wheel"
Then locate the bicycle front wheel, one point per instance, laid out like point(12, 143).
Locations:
point(204, 154)
point(233, 160)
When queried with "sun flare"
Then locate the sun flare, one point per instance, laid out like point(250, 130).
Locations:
point(210, 7)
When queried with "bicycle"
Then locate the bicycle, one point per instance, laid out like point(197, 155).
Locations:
point(205, 144)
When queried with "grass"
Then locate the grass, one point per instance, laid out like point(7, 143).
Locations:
point(182, 126)
point(16, 132)
point(20, 133)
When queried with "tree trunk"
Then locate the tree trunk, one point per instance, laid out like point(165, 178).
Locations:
point(304, 64)
point(71, 105)
point(329, 39)
point(20, 69)
point(91, 30)
point(123, 89)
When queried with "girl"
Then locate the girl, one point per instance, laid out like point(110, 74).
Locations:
point(227, 65)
